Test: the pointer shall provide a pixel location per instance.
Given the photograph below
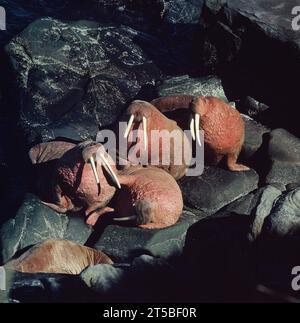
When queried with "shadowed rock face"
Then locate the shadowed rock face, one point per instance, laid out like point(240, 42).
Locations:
point(74, 77)
point(58, 256)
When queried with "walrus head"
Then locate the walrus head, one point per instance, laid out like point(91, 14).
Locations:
point(93, 153)
point(198, 107)
point(139, 111)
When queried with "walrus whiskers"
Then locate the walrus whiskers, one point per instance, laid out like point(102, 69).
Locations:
point(145, 133)
point(130, 122)
point(110, 171)
point(92, 161)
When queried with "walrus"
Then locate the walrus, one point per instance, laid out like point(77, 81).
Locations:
point(149, 196)
point(223, 127)
point(164, 142)
point(57, 256)
point(77, 181)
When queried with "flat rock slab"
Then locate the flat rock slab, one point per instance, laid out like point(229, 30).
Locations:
point(217, 187)
point(35, 222)
point(208, 86)
point(124, 243)
point(74, 77)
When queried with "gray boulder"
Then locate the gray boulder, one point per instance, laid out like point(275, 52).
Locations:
point(284, 157)
point(124, 243)
point(217, 187)
point(35, 222)
point(74, 77)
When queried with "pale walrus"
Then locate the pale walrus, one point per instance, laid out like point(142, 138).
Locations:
point(57, 256)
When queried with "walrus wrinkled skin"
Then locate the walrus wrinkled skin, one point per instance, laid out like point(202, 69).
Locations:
point(222, 125)
point(59, 257)
point(169, 139)
point(150, 195)
point(73, 184)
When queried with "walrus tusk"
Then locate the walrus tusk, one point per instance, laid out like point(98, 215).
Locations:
point(145, 133)
point(197, 128)
point(130, 122)
point(192, 128)
point(126, 218)
point(110, 171)
point(92, 161)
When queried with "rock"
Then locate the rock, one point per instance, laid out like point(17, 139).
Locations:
point(74, 77)
point(252, 43)
point(145, 279)
point(124, 243)
point(209, 86)
point(216, 187)
point(35, 222)
point(284, 156)
point(266, 202)
point(254, 134)
point(102, 278)
point(284, 220)
point(46, 288)
point(252, 107)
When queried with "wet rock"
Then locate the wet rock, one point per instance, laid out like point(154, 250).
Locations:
point(284, 220)
point(284, 155)
point(74, 77)
point(217, 187)
point(124, 243)
point(208, 86)
point(35, 222)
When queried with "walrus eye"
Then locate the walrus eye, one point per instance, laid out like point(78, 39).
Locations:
point(92, 161)
point(110, 171)
point(145, 133)
point(130, 122)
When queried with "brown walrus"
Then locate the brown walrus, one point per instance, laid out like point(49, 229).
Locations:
point(77, 181)
point(164, 142)
point(57, 256)
point(150, 196)
point(222, 125)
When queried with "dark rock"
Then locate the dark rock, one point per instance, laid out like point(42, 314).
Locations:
point(35, 222)
point(284, 155)
point(284, 220)
point(216, 188)
point(208, 86)
point(252, 107)
point(267, 199)
point(46, 288)
point(252, 43)
point(146, 279)
point(124, 243)
point(74, 77)
point(102, 278)
point(253, 138)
